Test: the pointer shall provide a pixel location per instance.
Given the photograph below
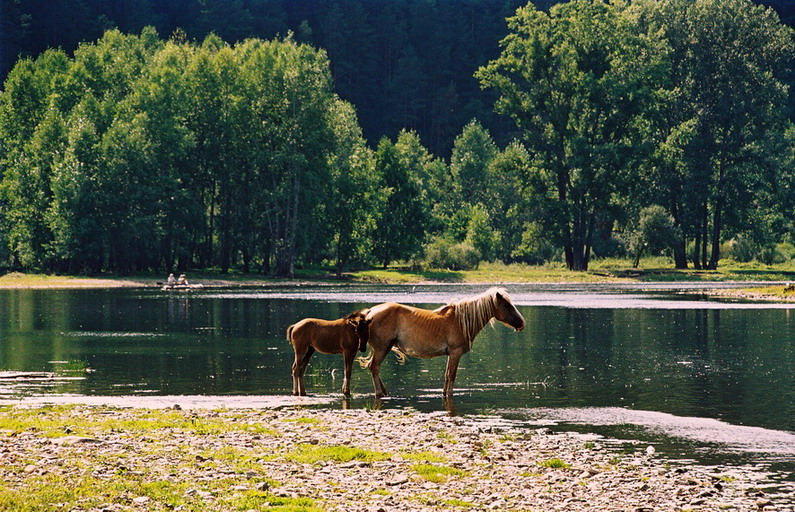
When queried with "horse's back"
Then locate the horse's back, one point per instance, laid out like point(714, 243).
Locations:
point(326, 336)
point(415, 331)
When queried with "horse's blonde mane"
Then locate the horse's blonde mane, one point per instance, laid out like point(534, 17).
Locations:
point(473, 313)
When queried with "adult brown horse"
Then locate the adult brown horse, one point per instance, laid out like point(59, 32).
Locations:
point(449, 330)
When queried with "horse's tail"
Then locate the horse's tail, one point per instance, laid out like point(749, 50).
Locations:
point(400, 354)
point(290, 334)
point(365, 361)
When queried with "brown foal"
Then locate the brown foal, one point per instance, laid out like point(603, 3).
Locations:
point(344, 336)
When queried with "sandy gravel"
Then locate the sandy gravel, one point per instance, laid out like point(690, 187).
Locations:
point(491, 468)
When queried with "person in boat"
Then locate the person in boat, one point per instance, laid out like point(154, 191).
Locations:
point(171, 280)
point(182, 281)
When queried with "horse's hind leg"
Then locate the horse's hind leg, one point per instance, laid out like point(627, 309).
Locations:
point(375, 369)
point(299, 367)
point(299, 356)
point(302, 370)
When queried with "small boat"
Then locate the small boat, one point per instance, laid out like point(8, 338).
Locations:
point(181, 287)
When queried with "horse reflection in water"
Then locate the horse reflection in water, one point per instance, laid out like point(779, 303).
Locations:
point(448, 330)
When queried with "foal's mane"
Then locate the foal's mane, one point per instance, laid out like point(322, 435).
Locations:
point(473, 313)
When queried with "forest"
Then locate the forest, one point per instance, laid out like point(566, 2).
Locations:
point(263, 135)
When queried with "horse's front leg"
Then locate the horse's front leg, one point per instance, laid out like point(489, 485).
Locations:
point(348, 357)
point(449, 374)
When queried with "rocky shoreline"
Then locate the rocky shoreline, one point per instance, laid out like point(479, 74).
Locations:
point(341, 460)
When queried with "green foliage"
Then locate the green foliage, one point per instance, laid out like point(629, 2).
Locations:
point(443, 253)
point(405, 215)
point(534, 247)
point(579, 84)
point(722, 118)
point(480, 235)
point(139, 153)
point(655, 232)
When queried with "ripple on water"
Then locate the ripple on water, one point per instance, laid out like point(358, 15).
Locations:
point(112, 334)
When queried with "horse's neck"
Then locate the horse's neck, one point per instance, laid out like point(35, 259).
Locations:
point(472, 324)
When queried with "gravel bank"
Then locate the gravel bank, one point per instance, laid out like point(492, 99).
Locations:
point(308, 460)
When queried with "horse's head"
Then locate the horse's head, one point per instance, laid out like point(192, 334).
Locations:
point(361, 328)
point(507, 313)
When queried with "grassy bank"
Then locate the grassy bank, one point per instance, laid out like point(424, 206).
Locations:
point(606, 270)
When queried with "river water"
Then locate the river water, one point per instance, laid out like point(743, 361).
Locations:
point(699, 378)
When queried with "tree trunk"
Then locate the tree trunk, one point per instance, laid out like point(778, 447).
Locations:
point(680, 253)
point(285, 253)
point(697, 250)
point(569, 252)
point(717, 220)
point(704, 235)
point(589, 239)
point(716, 228)
point(680, 245)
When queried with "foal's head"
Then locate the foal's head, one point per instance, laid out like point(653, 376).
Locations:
point(507, 313)
point(361, 328)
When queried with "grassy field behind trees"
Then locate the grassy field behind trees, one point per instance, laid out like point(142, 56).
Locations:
point(623, 130)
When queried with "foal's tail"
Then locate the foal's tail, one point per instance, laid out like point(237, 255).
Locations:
point(290, 334)
point(364, 362)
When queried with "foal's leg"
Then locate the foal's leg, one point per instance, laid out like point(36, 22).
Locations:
point(302, 368)
point(449, 374)
point(299, 357)
point(347, 356)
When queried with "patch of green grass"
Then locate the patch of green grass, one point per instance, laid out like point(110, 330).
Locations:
point(554, 464)
point(309, 454)
point(446, 436)
point(56, 492)
point(240, 460)
point(589, 445)
point(438, 474)
point(258, 500)
point(425, 456)
point(457, 503)
point(381, 492)
point(529, 474)
point(483, 447)
point(54, 422)
point(303, 420)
